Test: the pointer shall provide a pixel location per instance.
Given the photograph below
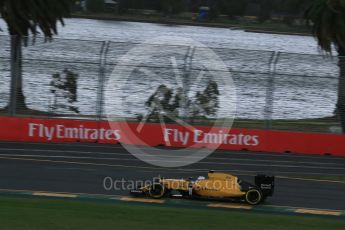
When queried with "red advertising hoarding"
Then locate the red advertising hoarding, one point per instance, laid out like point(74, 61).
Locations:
point(61, 130)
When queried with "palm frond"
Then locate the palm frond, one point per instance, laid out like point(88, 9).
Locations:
point(30, 16)
point(327, 18)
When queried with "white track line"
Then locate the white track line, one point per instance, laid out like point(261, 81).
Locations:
point(105, 146)
point(230, 158)
point(153, 160)
point(154, 168)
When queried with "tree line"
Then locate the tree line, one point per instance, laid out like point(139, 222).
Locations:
point(263, 9)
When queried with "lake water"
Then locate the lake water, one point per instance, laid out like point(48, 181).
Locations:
point(304, 86)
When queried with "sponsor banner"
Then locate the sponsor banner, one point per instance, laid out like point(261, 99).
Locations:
point(46, 130)
point(61, 130)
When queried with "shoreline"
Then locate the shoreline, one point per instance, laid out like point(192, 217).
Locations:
point(178, 22)
point(152, 20)
point(276, 32)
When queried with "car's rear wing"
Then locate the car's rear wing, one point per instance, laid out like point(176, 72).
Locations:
point(266, 184)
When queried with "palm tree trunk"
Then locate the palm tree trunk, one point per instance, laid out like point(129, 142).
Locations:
point(341, 89)
point(17, 99)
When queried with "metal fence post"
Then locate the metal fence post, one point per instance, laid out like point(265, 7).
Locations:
point(340, 110)
point(101, 79)
point(13, 89)
point(270, 90)
point(15, 59)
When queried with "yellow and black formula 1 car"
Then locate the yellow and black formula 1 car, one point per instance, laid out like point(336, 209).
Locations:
point(217, 185)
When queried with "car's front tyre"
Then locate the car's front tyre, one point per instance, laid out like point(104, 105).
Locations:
point(254, 196)
point(157, 191)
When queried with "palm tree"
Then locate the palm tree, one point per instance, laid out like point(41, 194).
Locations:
point(328, 22)
point(25, 17)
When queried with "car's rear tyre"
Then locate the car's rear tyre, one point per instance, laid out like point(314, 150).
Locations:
point(157, 191)
point(254, 196)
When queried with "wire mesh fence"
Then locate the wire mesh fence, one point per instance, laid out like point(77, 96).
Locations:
point(72, 79)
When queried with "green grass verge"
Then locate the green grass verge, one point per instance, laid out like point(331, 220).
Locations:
point(322, 125)
point(318, 125)
point(37, 214)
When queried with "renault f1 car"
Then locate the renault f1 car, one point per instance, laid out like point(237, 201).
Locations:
point(216, 185)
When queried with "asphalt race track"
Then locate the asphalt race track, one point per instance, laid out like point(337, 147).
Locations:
point(82, 168)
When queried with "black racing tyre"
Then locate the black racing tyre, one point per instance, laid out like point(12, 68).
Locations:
point(254, 196)
point(157, 191)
